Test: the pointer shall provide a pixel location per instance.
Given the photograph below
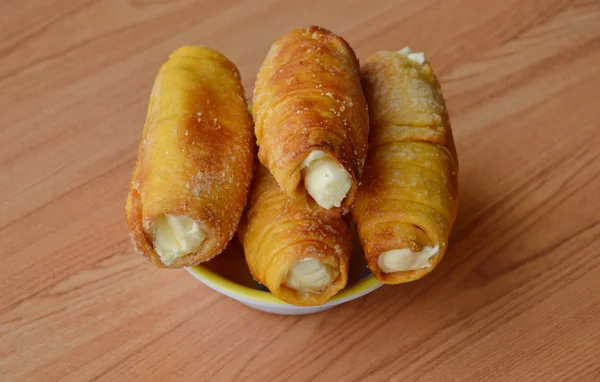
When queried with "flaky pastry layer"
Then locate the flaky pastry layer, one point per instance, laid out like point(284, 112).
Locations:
point(409, 195)
point(308, 97)
point(277, 233)
point(196, 154)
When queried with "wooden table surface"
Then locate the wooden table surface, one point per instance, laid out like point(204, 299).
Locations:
point(516, 298)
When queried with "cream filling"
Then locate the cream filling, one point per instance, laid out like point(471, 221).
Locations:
point(325, 180)
point(176, 236)
point(398, 260)
point(310, 275)
point(419, 58)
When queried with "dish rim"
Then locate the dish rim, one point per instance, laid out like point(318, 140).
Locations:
point(201, 272)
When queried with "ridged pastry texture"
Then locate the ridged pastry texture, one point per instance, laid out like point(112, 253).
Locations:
point(195, 160)
point(308, 98)
point(277, 234)
point(409, 196)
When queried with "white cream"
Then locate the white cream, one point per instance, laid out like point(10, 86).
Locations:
point(310, 275)
point(404, 259)
point(176, 236)
point(326, 181)
point(405, 51)
point(419, 58)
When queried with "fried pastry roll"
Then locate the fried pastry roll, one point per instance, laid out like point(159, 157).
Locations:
point(408, 201)
point(302, 258)
point(195, 161)
point(311, 119)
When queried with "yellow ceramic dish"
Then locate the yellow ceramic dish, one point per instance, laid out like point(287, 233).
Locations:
point(228, 274)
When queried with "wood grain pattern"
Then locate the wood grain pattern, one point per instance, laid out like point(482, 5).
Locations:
point(516, 297)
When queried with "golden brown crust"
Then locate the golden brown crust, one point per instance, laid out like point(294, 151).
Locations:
point(276, 233)
point(308, 97)
point(196, 155)
point(409, 195)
